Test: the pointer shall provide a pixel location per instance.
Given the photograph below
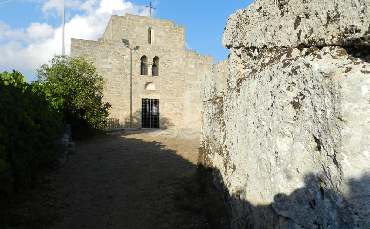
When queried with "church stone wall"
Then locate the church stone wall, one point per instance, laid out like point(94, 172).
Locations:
point(135, 29)
point(177, 86)
point(109, 58)
point(112, 61)
point(286, 129)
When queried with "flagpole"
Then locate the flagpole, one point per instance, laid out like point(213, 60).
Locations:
point(63, 29)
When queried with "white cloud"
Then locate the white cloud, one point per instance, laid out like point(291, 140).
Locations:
point(55, 7)
point(52, 5)
point(26, 49)
point(155, 3)
point(7, 33)
point(39, 31)
point(109, 6)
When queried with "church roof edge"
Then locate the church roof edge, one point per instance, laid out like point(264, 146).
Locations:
point(133, 17)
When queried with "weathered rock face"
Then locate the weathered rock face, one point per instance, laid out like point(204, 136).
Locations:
point(287, 129)
point(270, 23)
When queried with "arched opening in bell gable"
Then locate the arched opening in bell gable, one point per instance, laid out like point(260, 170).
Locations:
point(155, 66)
point(144, 65)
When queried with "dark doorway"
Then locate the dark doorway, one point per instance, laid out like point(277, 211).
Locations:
point(150, 113)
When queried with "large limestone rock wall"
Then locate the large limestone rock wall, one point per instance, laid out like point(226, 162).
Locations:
point(269, 23)
point(286, 128)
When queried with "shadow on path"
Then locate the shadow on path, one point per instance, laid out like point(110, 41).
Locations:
point(128, 182)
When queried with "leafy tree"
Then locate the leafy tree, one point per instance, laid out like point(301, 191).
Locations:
point(29, 128)
point(75, 90)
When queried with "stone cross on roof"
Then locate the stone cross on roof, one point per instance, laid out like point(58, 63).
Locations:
point(151, 9)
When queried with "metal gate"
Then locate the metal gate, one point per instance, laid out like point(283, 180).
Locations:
point(150, 113)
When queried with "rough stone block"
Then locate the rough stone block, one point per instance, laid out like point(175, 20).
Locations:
point(288, 137)
point(271, 23)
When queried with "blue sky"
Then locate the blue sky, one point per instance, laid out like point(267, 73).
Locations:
point(30, 30)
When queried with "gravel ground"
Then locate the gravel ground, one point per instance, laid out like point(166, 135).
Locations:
point(123, 179)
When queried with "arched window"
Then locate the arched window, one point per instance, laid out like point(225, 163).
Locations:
point(150, 86)
point(155, 66)
point(150, 35)
point(144, 66)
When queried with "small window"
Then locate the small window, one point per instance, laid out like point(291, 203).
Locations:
point(144, 66)
point(150, 35)
point(150, 86)
point(155, 67)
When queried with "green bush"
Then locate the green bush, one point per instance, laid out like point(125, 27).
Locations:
point(29, 128)
point(76, 91)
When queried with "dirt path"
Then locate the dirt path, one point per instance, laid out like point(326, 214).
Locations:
point(129, 179)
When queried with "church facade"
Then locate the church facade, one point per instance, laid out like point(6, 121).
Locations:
point(151, 80)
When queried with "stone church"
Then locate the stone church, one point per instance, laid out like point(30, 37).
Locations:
point(151, 80)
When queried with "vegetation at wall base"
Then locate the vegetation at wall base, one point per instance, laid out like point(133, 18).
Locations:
point(29, 127)
point(73, 88)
